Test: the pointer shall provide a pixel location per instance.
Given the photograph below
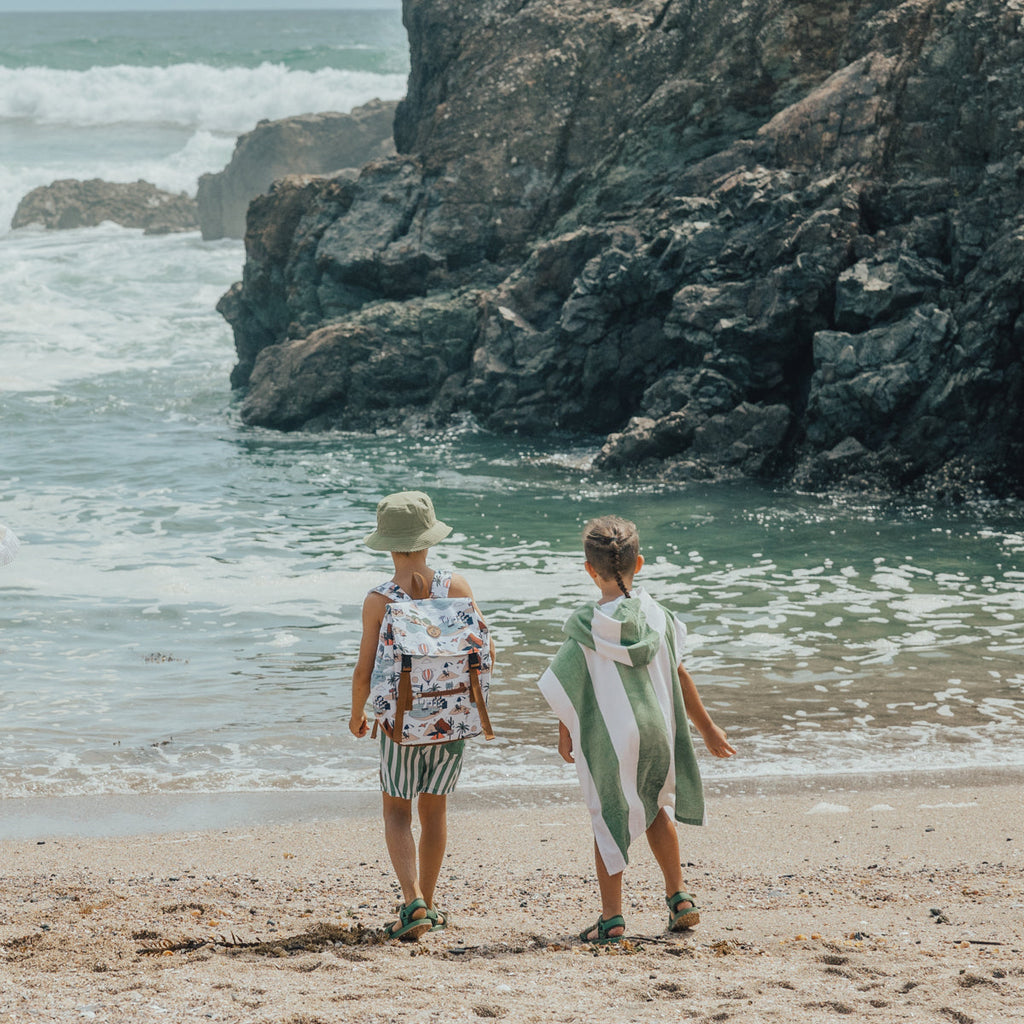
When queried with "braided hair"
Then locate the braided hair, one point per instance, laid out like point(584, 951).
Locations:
point(612, 547)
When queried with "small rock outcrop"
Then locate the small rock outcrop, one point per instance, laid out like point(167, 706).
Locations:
point(306, 144)
point(737, 238)
point(70, 203)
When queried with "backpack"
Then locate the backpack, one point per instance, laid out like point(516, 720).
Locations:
point(432, 672)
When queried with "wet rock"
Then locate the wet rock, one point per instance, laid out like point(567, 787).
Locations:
point(820, 470)
point(70, 203)
point(706, 390)
point(389, 360)
point(745, 437)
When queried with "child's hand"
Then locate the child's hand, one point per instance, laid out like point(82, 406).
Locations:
point(715, 741)
point(565, 744)
point(357, 725)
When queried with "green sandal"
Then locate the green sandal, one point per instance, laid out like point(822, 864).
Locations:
point(681, 919)
point(440, 919)
point(603, 927)
point(408, 927)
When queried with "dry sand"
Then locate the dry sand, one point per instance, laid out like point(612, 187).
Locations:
point(891, 902)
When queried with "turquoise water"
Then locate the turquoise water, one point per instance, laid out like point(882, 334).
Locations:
point(372, 41)
point(184, 612)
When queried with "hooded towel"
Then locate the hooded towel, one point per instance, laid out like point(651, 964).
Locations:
point(614, 685)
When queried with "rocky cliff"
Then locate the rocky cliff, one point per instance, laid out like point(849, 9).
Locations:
point(740, 237)
point(322, 143)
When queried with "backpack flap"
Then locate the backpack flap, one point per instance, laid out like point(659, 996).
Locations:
point(441, 627)
point(441, 657)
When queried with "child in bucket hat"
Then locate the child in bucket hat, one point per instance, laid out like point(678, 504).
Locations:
point(406, 522)
point(407, 527)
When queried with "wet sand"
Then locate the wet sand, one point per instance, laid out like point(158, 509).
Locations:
point(823, 900)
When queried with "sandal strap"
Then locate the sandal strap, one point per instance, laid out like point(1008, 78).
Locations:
point(410, 926)
point(676, 898)
point(603, 927)
point(406, 912)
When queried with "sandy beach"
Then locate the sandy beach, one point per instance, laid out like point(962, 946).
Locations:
point(888, 900)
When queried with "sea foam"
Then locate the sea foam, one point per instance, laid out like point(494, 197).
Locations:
point(195, 96)
point(166, 125)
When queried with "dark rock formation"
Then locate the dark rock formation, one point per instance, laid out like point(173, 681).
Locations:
point(745, 237)
point(70, 203)
point(306, 144)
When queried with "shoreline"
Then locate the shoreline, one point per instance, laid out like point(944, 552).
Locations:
point(895, 902)
point(134, 815)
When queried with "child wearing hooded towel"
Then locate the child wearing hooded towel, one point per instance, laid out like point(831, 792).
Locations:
point(624, 701)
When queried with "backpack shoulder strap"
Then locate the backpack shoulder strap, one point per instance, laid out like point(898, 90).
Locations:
point(440, 584)
point(391, 591)
point(439, 587)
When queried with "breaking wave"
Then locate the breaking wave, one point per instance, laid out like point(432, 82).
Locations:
point(192, 96)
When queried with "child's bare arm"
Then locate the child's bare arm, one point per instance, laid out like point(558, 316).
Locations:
point(565, 743)
point(373, 615)
point(714, 737)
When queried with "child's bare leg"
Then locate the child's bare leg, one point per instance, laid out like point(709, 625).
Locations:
point(433, 811)
point(402, 846)
point(664, 843)
point(611, 895)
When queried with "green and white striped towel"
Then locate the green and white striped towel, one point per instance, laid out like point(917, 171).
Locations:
point(615, 687)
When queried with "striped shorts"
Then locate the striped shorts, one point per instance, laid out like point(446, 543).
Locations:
point(406, 771)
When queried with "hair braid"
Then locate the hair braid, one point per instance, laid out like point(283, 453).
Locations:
point(617, 567)
point(612, 547)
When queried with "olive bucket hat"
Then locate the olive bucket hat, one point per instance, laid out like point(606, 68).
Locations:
point(406, 522)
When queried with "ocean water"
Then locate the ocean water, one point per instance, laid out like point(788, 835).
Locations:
point(163, 96)
point(183, 615)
